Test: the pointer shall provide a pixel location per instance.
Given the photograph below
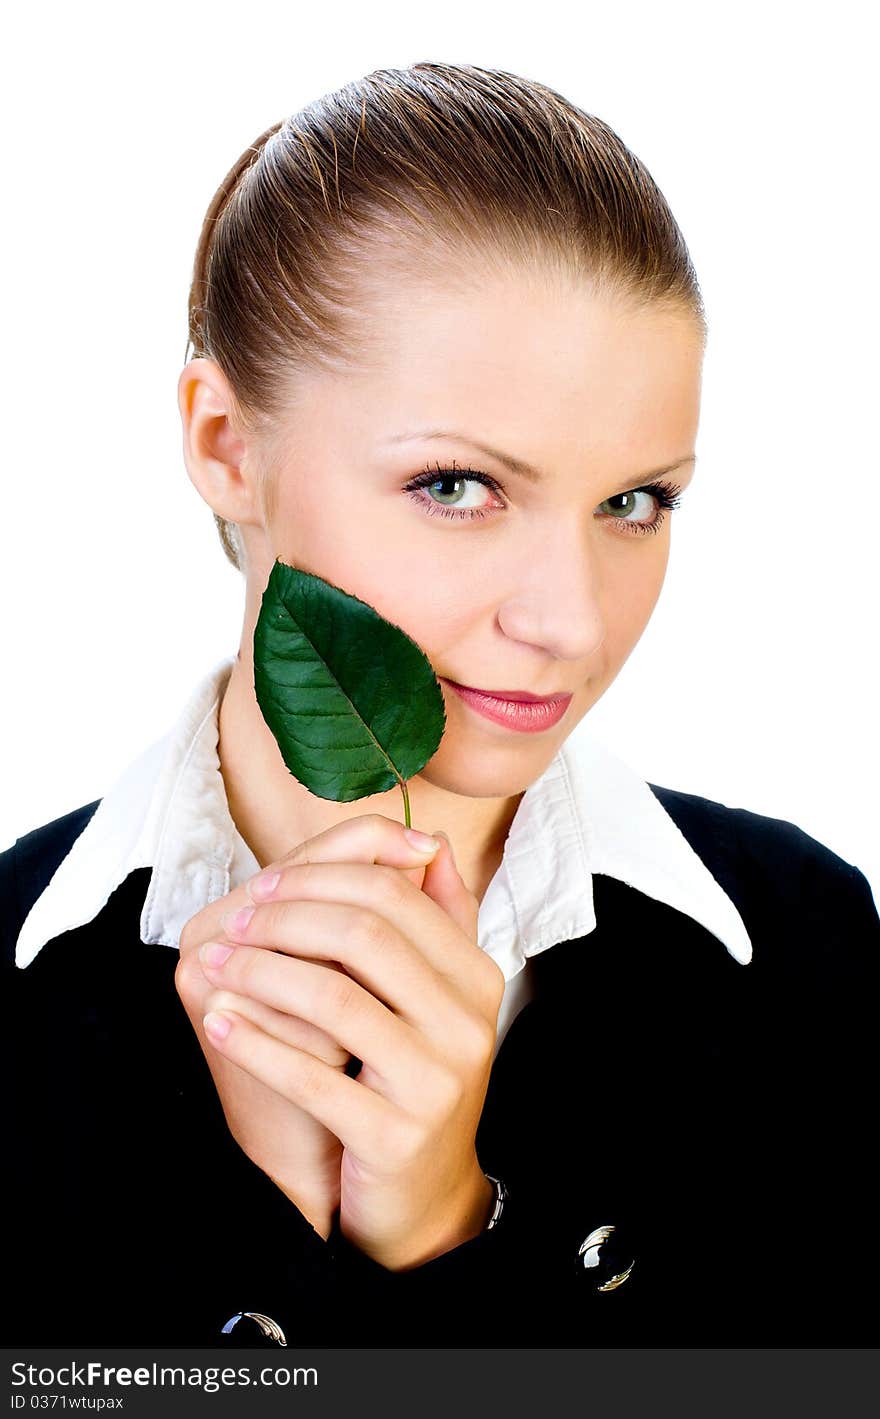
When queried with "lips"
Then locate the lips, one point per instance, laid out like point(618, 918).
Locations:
point(517, 696)
point(527, 713)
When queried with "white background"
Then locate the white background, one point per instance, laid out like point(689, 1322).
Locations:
point(755, 682)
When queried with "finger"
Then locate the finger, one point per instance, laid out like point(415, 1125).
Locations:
point(360, 1118)
point(330, 1000)
point(444, 884)
point(287, 1029)
point(195, 990)
point(415, 962)
point(376, 890)
point(369, 838)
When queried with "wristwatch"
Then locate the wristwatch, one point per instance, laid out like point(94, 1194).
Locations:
point(500, 1197)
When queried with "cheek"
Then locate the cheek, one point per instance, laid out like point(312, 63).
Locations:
point(631, 593)
point(432, 612)
point(358, 540)
point(391, 575)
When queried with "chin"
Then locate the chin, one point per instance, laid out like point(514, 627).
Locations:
point(489, 771)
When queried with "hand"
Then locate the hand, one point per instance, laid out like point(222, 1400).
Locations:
point(417, 1001)
point(300, 1155)
point(299, 1152)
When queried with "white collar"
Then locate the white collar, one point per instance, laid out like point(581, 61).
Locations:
point(587, 813)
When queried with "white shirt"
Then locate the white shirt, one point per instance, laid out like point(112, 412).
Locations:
point(587, 813)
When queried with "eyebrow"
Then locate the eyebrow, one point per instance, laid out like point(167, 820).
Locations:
point(517, 465)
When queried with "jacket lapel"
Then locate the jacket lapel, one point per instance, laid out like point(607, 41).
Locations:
point(608, 1098)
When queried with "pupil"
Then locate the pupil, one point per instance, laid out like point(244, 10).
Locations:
point(442, 482)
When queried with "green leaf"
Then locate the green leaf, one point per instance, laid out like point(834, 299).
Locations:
point(353, 702)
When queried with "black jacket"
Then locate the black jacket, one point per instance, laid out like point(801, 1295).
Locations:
point(721, 1117)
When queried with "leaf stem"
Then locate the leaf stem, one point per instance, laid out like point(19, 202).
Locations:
point(405, 802)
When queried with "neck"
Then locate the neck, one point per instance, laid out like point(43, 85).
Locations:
point(274, 812)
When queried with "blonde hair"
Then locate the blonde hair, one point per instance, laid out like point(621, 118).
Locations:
point(413, 165)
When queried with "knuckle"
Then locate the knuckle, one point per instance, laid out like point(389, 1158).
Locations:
point(222, 1000)
point(447, 1092)
point(476, 1039)
point(379, 827)
point(404, 1140)
point(366, 929)
point(341, 991)
point(188, 935)
point(187, 974)
point(298, 856)
point(394, 888)
point(327, 1049)
point(308, 1078)
point(495, 981)
point(246, 967)
point(308, 870)
point(266, 927)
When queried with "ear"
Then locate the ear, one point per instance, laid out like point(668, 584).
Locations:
point(213, 448)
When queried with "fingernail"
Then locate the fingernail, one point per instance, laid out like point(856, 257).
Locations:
point(235, 923)
point(445, 838)
point(213, 954)
point(216, 1026)
point(263, 885)
point(420, 841)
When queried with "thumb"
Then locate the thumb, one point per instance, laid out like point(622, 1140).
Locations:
point(444, 884)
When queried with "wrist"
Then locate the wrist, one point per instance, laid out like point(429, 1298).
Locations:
point(476, 1205)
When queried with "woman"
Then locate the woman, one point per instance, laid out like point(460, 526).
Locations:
point(589, 1067)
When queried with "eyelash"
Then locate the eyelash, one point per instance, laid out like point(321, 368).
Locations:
point(668, 496)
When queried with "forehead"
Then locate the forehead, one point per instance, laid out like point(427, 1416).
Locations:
point(526, 359)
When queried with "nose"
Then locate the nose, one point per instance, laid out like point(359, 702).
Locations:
point(555, 605)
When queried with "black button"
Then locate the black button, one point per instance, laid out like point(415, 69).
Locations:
point(252, 1329)
point(605, 1259)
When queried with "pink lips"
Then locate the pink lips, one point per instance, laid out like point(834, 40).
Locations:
point(515, 709)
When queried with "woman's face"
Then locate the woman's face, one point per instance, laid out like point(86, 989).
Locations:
point(539, 581)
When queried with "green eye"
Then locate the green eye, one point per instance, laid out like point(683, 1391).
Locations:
point(666, 496)
point(450, 482)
